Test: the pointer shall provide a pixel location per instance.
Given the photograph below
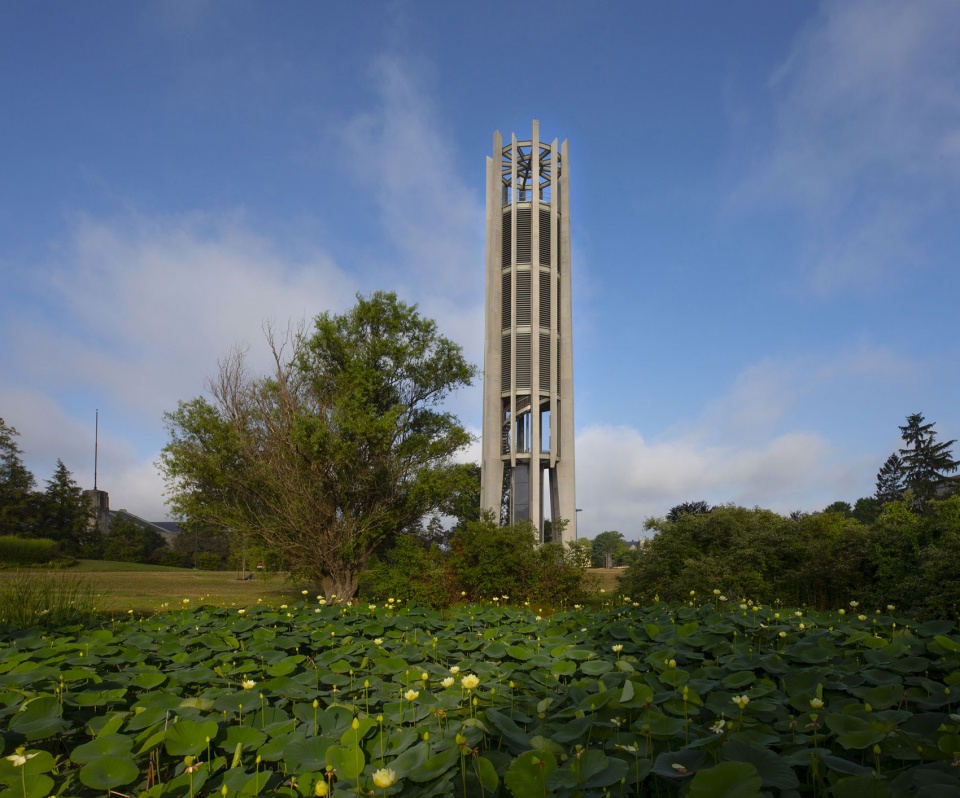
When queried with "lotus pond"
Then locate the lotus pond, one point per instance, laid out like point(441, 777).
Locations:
point(313, 699)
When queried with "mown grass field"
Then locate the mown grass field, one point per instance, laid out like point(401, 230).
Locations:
point(144, 588)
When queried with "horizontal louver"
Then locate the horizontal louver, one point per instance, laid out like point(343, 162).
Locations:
point(505, 362)
point(545, 362)
point(524, 362)
point(544, 237)
point(523, 235)
point(523, 299)
point(505, 301)
point(558, 366)
point(545, 299)
point(506, 250)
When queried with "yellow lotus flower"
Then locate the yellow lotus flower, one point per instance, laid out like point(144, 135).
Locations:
point(411, 695)
point(816, 703)
point(383, 778)
point(19, 759)
point(448, 682)
point(249, 684)
point(470, 681)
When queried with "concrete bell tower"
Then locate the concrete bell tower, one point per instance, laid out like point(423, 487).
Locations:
point(528, 352)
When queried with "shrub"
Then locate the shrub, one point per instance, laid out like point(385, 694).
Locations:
point(411, 570)
point(47, 599)
point(129, 541)
point(174, 559)
point(487, 560)
point(816, 560)
point(26, 551)
point(208, 561)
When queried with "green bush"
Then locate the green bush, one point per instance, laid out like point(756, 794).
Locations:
point(819, 560)
point(410, 570)
point(27, 551)
point(47, 599)
point(174, 559)
point(129, 541)
point(208, 561)
point(487, 560)
point(905, 558)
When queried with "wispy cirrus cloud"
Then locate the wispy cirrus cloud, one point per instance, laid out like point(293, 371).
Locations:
point(866, 140)
point(400, 150)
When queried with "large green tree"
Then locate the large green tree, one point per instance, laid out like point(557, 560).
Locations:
point(608, 545)
point(926, 462)
point(340, 448)
point(16, 485)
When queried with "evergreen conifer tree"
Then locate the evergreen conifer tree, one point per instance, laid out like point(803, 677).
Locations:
point(927, 464)
point(16, 485)
point(64, 512)
point(891, 480)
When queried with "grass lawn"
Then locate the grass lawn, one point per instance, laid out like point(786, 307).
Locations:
point(606, 578)
point(143, 588)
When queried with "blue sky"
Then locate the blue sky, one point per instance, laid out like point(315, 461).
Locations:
point(764, 203)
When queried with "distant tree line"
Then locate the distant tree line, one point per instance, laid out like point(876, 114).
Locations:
point(900, 546)
point(61, 512)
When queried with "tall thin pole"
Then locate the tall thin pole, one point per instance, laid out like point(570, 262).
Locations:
point(96, 445)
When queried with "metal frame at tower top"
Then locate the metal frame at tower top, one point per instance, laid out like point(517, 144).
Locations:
point(528, 351)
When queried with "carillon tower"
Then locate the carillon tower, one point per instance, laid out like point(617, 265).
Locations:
point(528, 451)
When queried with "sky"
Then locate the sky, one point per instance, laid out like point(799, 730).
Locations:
point(764, 206)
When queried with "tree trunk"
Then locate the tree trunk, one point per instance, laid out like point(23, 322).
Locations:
point(341, 586)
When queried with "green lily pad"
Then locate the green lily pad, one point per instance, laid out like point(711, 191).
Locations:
point(108, 772)
point(528, 774)
point(727, 780)
point(189, 737)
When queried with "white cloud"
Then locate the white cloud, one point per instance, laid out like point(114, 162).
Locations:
point(48, 433)
point(866, 122)
point(401, 150)
point(768, 441)
point(622, 479)
point(149, 305)
point(144, 306)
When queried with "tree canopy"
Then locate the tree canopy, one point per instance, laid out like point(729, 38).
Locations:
point(687, 508)
point(64, 514)
point(340, 448)
point(16, 485)
point(890, 480)
point(926, 462)
point(608, 545)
